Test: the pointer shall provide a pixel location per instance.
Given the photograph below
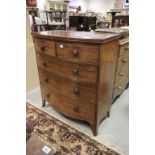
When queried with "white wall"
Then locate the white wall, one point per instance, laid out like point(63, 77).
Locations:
point(40, 4)
point(82, 3)
point(101, 6)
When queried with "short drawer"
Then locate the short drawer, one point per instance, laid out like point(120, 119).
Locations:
point(84, 53)
point(72, 71)
point(68, 106)
point(45, 46)
point(68, 88)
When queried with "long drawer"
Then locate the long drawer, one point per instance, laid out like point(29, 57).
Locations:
point(68, 106)
point(68, 88)
point(84, 53)
point(45, 46)
point(72, 71)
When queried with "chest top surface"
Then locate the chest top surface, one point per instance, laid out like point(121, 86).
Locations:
point(90, 37)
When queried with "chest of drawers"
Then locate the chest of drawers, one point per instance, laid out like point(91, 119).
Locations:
point(77, 72)
point(122, 68)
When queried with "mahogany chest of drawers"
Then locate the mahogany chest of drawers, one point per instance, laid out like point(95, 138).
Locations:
point(77, 72)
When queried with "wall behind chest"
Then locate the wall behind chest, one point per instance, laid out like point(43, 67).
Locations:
point(102, 6)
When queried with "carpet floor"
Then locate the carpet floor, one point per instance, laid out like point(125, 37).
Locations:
point(64, 139)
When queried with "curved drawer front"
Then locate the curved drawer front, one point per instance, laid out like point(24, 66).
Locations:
point(122, 74)
point(45, 46)
point(124, 49)
point(72, 71)
point(69, 107)
point(123, 63)
point(68, 88)
point(83, 53)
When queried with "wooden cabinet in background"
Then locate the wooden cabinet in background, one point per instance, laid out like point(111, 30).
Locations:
point(77, 72)
point(122, 69)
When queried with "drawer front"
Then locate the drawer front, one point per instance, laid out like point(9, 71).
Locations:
point(83, 53)
point(124, 49)
point(69, 107)
point(72, 71)
point(68, 88)
point(45, 46)
point(120, 85)
point(122, 75)
point(123, 64)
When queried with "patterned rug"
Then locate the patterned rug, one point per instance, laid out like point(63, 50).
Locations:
point(65, 139)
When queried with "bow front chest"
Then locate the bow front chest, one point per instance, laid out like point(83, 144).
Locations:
point(77, 72)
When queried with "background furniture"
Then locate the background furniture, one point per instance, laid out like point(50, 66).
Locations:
point(77, 72)
point(121, 20)
point(82, 23)
point(56, 19)
point(122, 68)
point(119, 17)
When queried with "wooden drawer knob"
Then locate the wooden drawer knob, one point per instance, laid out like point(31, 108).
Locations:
point(124, 61)
point(121, 74)
point(75, 53)
point(48, 95)
point(75, 71)
point(46, 80)
point(76, 91)
point(42, 48)
point(127, 48)
point(44, 64)
point(119, 87)
point(76, 109)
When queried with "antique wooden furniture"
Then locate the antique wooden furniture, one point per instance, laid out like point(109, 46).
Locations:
point(77, 72)
point(122, 69)
point(82, 23)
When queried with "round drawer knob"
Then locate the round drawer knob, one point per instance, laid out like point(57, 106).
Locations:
point(43, 48)
point(48, 95)
point(75, 71)
point(127, 48)
point(76, 91)
point(124, 61)
point(46, 80)
point(119, 87)
point(44, 64)
point(75, 53)
point(121, 74)
point(76, 109)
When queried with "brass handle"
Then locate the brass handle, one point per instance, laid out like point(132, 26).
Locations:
point(44, 64)
point(121, 74)
point(43, 48)
point(119, 87)
point(75, 71)
point(124, 61)
point(76, 91)
point(75, 53)
point(76, 109)
point(48, 95)
point(46, 80)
